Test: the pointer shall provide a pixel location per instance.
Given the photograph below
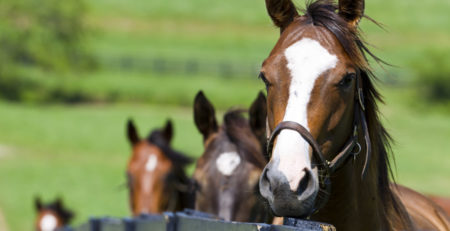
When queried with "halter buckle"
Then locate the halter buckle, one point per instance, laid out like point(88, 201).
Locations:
point(357, 152)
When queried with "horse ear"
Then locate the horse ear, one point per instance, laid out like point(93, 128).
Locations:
point(282, 12)
point(351, 10)
point(204, 115)
point(257, 116)
point(37, 203)
point(168, 131)
point(132, 133)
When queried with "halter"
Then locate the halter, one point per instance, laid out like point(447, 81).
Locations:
point(325, 167)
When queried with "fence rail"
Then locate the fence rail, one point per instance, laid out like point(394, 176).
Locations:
point(191, 220)
point(193, 66)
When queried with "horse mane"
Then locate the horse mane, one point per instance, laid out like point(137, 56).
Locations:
point(324, 13)
point(238, 130)
point(58, 207)
point(157, 138)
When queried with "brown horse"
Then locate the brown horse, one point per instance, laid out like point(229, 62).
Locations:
point(155, 173)
point(329, 151)
point(443, 202)
point(228, 171)
point(51, 216)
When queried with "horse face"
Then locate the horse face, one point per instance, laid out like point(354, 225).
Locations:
point(310, 80)
point(226, 183)
point(149, 174)
point(226, 175)
point(51, 216)
point(48, 220)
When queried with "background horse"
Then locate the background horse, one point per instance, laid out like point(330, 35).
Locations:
point(329, 151)
point(228, 171)
point(51, 216)
point(155, 173)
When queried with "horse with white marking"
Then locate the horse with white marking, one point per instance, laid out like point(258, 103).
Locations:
point(51, 216)
point(155, 173)
point(227, 173)
point(329, 151)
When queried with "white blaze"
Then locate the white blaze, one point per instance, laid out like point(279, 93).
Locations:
point(306, 60)
point(227, 162)
point(48, 223)
point(151, 163)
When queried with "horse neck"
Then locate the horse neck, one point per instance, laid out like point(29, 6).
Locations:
point(186, 199)
point(355, 203)
point(183, 193)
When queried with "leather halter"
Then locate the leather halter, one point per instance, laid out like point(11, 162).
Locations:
point(325, 167)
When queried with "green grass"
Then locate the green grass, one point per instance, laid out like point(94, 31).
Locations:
point(240, 30)
point(138, 87)
point(236, 31)
point(421, 144)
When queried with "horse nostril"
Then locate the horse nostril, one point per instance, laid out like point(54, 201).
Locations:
point(266, 179)
point(304, 182)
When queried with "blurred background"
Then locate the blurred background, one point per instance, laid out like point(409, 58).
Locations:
point(72, 72)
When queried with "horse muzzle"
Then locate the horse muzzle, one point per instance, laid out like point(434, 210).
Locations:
point(284, 201)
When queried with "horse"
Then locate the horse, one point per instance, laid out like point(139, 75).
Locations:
point(52, 216)
point(227, 173)
point(329, 152)
point(443, 202)
point(155, 173)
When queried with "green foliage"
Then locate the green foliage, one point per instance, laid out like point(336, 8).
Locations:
point(433, 75)
point(46, 34)
point(130, 87)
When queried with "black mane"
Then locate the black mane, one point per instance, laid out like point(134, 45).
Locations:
point(57, 206)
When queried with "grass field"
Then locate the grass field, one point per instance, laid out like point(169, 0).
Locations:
point(241, 30)
point(76, 152)
point(79, 152)
point(238, 31)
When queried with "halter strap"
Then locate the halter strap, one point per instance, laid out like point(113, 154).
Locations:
point(291, 125)
point(329, 167)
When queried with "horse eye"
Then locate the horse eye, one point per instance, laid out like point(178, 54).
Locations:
point(264, 79)
point(347, 80)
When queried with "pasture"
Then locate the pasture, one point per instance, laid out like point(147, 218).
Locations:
point(79, 151)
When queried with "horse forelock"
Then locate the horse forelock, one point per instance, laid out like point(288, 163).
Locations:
point(178, 158)
point(238, 131)
point(58, 209)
